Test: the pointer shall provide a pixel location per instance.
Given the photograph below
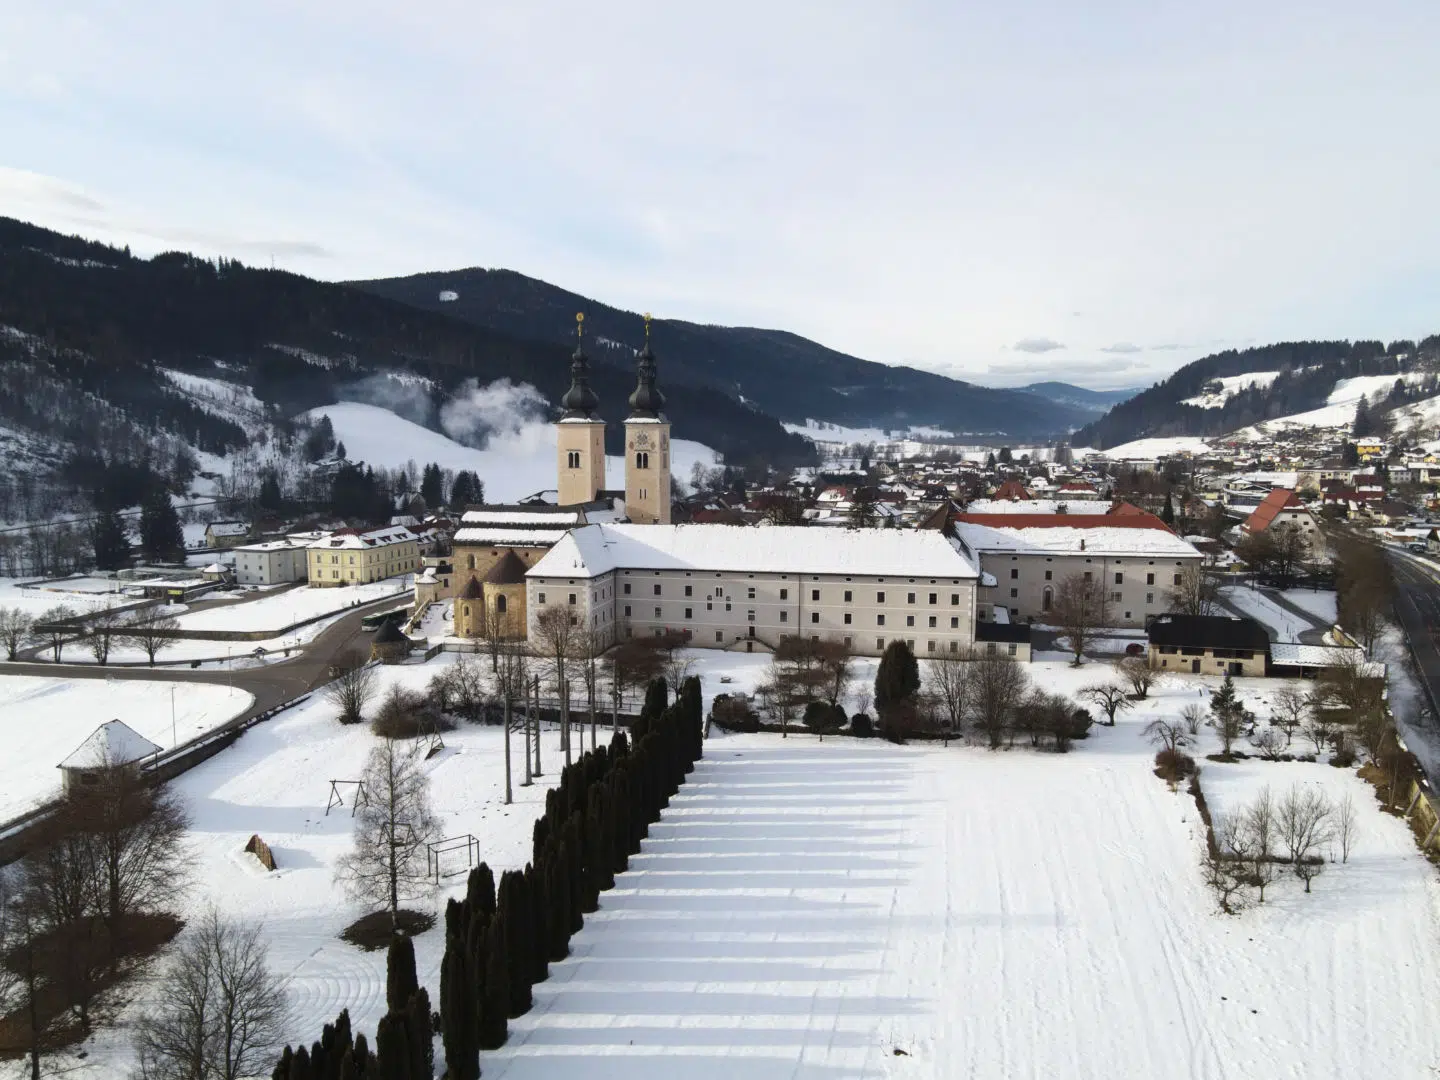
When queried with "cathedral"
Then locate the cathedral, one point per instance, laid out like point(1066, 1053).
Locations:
point(495, 546)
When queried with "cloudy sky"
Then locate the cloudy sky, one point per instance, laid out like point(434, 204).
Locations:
point(1095, 192)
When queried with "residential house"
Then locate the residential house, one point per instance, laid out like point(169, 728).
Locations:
point(351, 557)
point(226, 534)
point(1208, 645)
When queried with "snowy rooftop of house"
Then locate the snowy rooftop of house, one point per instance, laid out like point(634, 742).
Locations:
point(350, 539)
point(278, 545)
point(1108, 539)
point(215, 568)
point(554, 517)
point(1038, 506)
point(229, 528)
point(510, 536)
point(1293, 654)
point(779, 549)
point(114, 743)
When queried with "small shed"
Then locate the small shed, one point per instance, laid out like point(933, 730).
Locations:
point(390, 645)
point(114, 745)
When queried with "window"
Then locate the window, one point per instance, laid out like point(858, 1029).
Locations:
point(1014, 573)
point(954, 646)
point(1177, 579)
point(932, 621)
point(847, 596)
point(540, 597)
point(720, 635)
point(910, 598)
point(909, 620)
point(955, 623)
point(573, 459)
point(627, 588)
point(1149, 579)
point(785, 594)
point(814, 616)
point(880, 643)
point(657, 590)
point(657, 613)
point(1088, 575)
point(574, 621)
point(1149, 598)
point(1049, 575)
point(642, 459)
point(848, 641)
point(954, 599)
point(627, 611)
point(1115, 597)
point(750, 593)
point(930, 646)
point(470, 562)
point(1127, 615)
point(814, 594)
point(990, 648)
point(784, 616)
point(879, 598)
point(1011, 648)
point(1119, 579)
point(571, 601)
point(501, 604)
point(934, 598)
point(749, 616)
point(689, 613)
point(879, 620)
point(847, 618)
point(1014, 593)
point(689, 590)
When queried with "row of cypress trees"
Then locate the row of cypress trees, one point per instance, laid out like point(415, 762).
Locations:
point(500, 941)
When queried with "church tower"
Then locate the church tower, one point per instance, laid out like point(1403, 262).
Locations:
point(647, 447)
point(581, 431)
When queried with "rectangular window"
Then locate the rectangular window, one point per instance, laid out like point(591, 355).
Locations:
point(1177, 579)
point(814, 616)
point(955, 623)
point(750, 616)
point(847, 618)
point(879, 598)
point(750, 593)
point(1049, 574)
point(627, 611)
point(879, 620)
point(934, 598)
point(814, 594)
point(1119, 579)
point(930, 646)
point(1115, 597)
point(689, 613)
point(657, 590)
point(784, 616)
point(1011, 648)
point(1088, 575)
point(1149, 598)
point(910, 598)
point(572, 600)
point(784, 594)
point(1149, 579)
point(1014, 593)
point(541, 597)
point(1014, 573)
point(848, 642)
point(720, 635)
point(657, 613)
point(689, 590)
point(954, 599)
point(847, 596)
point(954, 646)
point(909, 620)
point(627, 588)
point(880, 643)
point(932, 620)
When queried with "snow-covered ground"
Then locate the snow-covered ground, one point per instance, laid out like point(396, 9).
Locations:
point(43, 720)
point(1153, 448)
point(81, 594)
point(807, 909)
point(283, 610)
point(1286, 624)
point(1321, 604)
point(1339, 407)
point(1230, 385)
point(513, 465)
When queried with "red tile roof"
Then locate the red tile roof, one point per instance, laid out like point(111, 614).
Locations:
point(1263, 516)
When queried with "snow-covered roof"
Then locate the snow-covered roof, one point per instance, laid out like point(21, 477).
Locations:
point(229, 528)
point(782, 549)
point(278, 545)
point(1077, 540)
point(113, 743)
point(215, 568)
point(521, 517)
point(348, 539)
point(1038, 506)
point(1291, 653)
point(510, 537)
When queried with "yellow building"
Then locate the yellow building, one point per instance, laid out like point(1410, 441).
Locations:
point(351, 557)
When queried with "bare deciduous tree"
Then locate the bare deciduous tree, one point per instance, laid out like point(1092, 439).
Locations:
point(1302, 821)
point(1135, 670)
point(353, 688)
point(102, 630)
point(1345, 825)
point(1169, 735)
point(1197, 593)
point(556, 638)
point(14, 631)
point(1109, 698)
point(1258, 823)
point(392, 829)
point(1289, 707)
point(1193, 716)
point(1079, 610)
point(949, 687)
point(152, 631)
point(56, 631)
point(997, 687)
point(1270, 742)
point(218, 1012)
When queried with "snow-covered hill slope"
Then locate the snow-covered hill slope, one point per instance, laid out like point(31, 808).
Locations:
point(1339, 408)
point(1145, 449)
point(1230, 385)
point(513, 465)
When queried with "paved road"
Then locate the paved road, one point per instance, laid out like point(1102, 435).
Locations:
point(1417, 608)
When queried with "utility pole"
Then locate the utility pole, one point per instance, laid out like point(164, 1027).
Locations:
point(536, 688)
point(174, 738)
point(565, 716)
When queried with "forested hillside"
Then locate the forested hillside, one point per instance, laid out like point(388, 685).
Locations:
point(781, 373)
point(1307, 373)
point(87, 332)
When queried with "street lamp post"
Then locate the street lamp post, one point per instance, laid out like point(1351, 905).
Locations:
point(174, 738)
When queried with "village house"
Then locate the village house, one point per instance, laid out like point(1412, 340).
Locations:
point(1283, 507)
point(273, 562)
point(1208, 645)
point(226, 534)
point(351, 557)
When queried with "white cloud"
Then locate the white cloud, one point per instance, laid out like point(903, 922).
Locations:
point(1037, 345)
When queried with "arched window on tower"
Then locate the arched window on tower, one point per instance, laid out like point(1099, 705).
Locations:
point(500, 602)
point(470, 562)
point(642, 459)
point(574, 459)
point(1047, 598)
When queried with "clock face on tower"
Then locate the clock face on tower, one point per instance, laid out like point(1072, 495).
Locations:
point(642, 440)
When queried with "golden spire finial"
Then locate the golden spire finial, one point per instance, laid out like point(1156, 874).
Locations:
point(579, 325)
point(647, 327)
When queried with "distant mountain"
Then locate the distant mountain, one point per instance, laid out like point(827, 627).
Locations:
point(780, 373)
point(1208, 396)
point(1092, 401)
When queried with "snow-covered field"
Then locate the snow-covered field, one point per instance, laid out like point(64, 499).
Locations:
point(43, 720)
point(283, 610)
point(512, 465)
point(1153, 448)
point(81, 594)
point(1286, 624)
point(1321, 604)
point(1230, 385)
point(1339, 407)
point(807, 909)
